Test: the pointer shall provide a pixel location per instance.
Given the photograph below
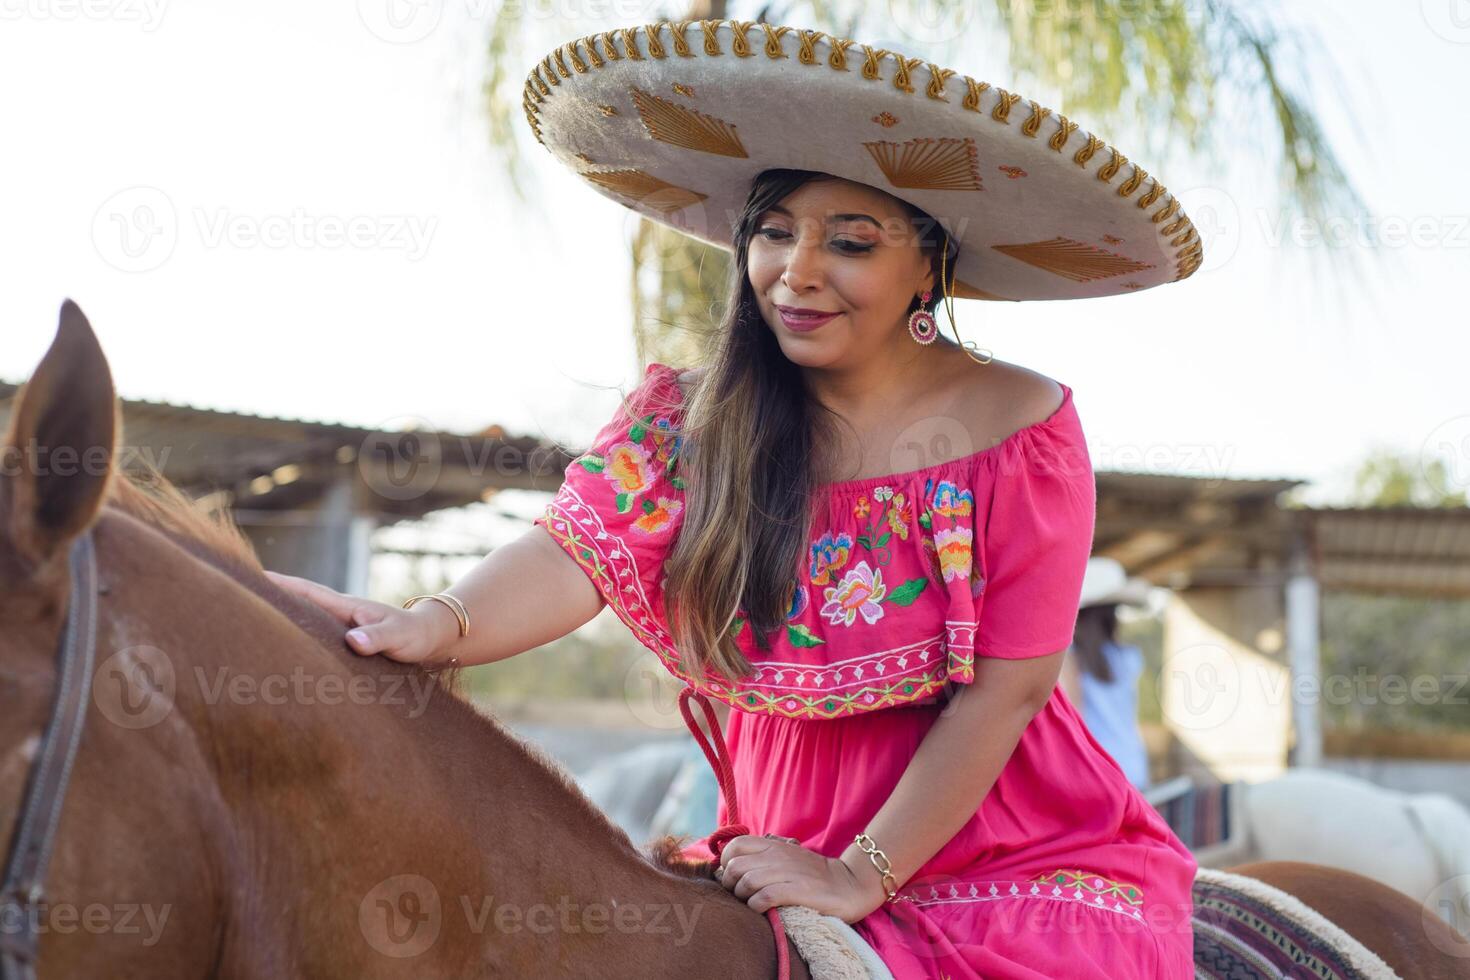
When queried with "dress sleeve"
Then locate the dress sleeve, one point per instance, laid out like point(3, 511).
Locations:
point(620, 503)
point(1037, 540)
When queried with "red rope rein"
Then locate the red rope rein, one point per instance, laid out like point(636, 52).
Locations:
point(719, 760)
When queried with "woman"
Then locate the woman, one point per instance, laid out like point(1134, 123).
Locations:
point(865, 538)
point(1100, 674)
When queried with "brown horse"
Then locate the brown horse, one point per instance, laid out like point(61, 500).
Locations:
point(252, 799)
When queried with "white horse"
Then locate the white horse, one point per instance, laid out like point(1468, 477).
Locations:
point(1418, 843)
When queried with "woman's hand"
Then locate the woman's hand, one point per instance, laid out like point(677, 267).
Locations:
point(767, 872)
point(407, 635)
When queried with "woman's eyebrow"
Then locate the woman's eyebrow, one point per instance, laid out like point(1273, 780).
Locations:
point(778, 209)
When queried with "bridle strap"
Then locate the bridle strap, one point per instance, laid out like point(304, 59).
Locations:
point(35, 833)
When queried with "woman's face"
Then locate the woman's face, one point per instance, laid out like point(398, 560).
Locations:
point(842, 248)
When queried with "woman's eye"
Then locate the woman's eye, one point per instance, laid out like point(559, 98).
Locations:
point(852, 247)
point(771, 234)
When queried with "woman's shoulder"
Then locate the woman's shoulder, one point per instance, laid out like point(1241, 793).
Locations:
point(1005, 398)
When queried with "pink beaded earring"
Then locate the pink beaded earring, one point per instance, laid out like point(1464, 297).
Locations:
point(921, 322)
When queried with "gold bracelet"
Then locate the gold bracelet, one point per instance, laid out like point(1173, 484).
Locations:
point(886, 869)
point(455, 606)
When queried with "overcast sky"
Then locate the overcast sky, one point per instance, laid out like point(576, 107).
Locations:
point(184, 170)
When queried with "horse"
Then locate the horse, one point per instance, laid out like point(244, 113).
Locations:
point(249, 798)
point(1416, 843)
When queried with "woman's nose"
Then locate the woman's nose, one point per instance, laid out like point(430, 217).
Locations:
point(804, 267)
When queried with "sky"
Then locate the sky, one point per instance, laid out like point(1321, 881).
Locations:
point(291, 209)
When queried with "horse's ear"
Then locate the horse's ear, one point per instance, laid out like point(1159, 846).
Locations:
point(59, 445)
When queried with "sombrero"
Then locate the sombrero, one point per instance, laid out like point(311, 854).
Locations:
point(1105, 582)
point(675, 119)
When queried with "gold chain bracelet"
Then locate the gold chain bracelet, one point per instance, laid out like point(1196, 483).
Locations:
point(874, 853)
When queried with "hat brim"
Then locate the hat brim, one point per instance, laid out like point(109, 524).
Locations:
point(676, 119)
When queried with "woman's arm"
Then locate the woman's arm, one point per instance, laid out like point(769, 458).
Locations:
point(523, 594)
point(955, 766)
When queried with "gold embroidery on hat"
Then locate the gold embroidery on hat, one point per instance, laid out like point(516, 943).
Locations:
point(540, 84)
point(1109, 170)
point(677, 125)
point(1031, 125)
point(901, 73)
point(1152, 195)
point(1059, 139)
point(806, 53)
point(610, 46)
point(838, 58)
point(630, 41)
point(550, 71)
point(973, 91)
point(963, 290)
point(684, 90)
point(1183, 239)
point(740, 44)
point(871, 57)
point(1012, 172)
point(561, 66)
point(937, 77)
point(1173, 227)
point(655, 46)
point(1085, 154)
point(773, 40)
point(1072, 259)
point(886, 119)
point(1163, 214)
point(646, 189)
point(711, 29)
point(946, 163)
point(1112, 239)
point(1002, 110)
point(577, 63)
point(593, 58)
point(1132, 183)
point(609, 110)
point(681, 43)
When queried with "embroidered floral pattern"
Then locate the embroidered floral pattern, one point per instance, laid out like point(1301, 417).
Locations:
point(846, 649)
point(861, 592)
point(829, 554)
point(888, 521)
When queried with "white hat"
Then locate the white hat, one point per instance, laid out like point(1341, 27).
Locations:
point(1105, 582)
point(676, 119)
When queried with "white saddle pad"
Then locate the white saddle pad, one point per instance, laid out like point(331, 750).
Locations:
point(832, 949)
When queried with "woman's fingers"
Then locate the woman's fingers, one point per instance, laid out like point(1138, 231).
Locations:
point(340, 606)
point(372, 627)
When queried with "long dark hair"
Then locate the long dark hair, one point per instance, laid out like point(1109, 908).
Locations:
point(753, 447)
point(1096, 625)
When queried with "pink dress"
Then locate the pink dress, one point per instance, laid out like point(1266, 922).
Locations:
point(1064, 870)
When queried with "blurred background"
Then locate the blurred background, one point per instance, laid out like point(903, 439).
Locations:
point(346, 297)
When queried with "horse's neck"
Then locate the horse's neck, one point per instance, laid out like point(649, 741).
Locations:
point(372, 825)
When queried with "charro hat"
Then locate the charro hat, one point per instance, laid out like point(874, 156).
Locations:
point(675, 120)
point(1106, 582)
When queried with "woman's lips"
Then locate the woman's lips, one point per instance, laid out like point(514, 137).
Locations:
point(804, 321)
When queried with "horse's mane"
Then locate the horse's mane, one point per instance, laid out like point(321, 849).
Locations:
point(212, 536)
